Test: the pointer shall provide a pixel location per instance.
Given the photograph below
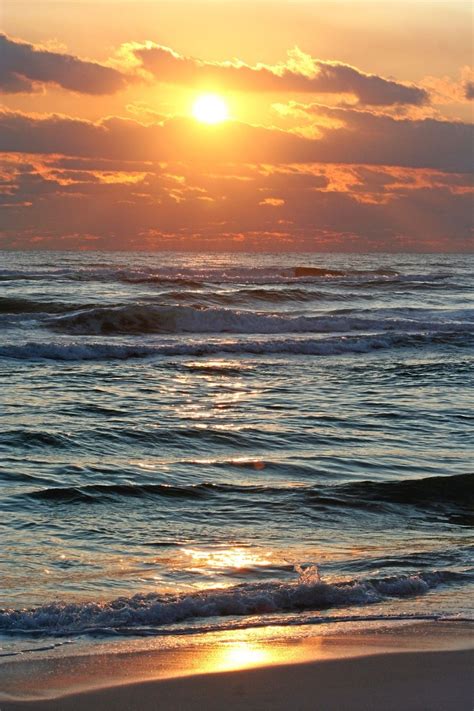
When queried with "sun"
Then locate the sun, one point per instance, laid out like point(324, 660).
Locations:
point(210, 108)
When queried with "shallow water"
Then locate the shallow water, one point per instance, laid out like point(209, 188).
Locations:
point(202, 441)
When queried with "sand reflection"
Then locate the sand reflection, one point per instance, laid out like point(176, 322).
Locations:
point(238, 655)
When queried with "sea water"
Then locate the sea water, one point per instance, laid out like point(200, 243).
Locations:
point(204, 442)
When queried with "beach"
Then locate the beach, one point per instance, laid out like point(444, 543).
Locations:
point(413, 667)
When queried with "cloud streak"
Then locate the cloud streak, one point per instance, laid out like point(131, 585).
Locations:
point(25, 68)
point(327, 207)
point(300, 74)
point(356, 137)
point(365, 137)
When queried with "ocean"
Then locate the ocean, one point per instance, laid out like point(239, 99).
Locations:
point(195, 443)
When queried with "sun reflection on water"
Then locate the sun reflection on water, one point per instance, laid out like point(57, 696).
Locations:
point(233, 557)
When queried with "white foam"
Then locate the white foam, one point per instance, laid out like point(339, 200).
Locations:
point(323, 346)
point(154, 610)
point(230, 274)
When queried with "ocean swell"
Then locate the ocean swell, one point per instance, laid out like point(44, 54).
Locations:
point(447, 496)
point(324, 346)
point(11, 305)
point(457, 488)
point(194, 276)
point(136, 319)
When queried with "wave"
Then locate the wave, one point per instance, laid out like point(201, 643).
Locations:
point(457, 488)
point(34, 438)
point(444, 493)
point(447, 497)
point(267, 294)
point(327, 272)
point(196, 276)
point(154, 610)
point(258, 275)
point(318, 272)
point(136, 319)
point(195, 300)
point(101, 492)
point(19, 306)
point(329, 346)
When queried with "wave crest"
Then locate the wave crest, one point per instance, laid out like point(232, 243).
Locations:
point(324, 346)
point(155, 610)
point(135, 319)
point(196, 276)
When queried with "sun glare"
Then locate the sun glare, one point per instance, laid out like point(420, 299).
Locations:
point(210, 108)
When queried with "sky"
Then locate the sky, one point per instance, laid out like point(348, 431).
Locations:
point(347, 127)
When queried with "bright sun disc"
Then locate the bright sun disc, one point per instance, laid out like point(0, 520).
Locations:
point(210, 108)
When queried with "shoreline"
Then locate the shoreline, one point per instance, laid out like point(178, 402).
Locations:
point(429, 663)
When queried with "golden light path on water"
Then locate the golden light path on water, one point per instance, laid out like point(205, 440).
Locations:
point(237, 558)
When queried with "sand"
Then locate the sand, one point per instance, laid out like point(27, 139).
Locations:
point(361, 673)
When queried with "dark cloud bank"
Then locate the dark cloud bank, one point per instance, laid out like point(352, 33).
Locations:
point(328, 77)
point(362, 138)
point(24, 68)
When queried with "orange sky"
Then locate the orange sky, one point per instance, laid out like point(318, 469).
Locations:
point(350, 125)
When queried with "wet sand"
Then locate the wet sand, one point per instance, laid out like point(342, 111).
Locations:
point(425, 667)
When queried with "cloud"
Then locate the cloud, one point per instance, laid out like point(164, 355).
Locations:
point(469, 88)
point(365, 137)
point(25, 68)
point(453, 91)
point(301, 208)
point(300, 74)
point(107, 165)
point(346, 136)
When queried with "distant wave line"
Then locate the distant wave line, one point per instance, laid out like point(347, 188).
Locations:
point(325, 346)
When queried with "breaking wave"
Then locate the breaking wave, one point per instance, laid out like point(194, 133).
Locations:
point(155, 610)
point(194, 276)
point(324, 346)
point(135, 319)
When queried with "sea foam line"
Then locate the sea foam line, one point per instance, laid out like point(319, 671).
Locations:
point(155, 610)
point(322, 346)
point(142, 318)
